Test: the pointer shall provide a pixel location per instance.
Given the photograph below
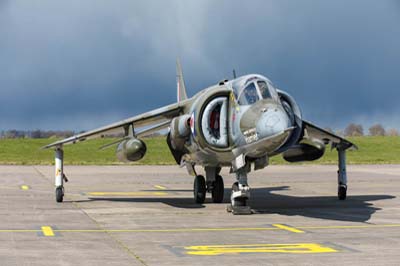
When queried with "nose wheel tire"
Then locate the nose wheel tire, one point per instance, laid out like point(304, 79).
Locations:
point(199, 189)
point(217, 192)
point(59, 194)
point(342, 192)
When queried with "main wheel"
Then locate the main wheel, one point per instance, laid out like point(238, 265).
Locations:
point(217, 192)
point(342, 192)
point(59, 194)
point(238, 201)
point(199, 189)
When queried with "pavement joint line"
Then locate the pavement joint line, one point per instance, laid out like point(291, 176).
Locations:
point(47, 231)
point(288, 228)
point(51, 230)
point(24, 187)
point(160, 187)
point(135, 193)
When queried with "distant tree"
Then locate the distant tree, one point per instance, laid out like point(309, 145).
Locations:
point(377, 130)
point(11, 134)
point(36, 134)
point(354, 130)
point(392, 132)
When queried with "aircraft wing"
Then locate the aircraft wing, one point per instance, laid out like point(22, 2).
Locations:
point(312, 131)
point(146, 123)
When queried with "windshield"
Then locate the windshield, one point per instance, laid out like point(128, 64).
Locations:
point(264, 91)
point(249, 95)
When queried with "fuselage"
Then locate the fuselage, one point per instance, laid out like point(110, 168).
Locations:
point(234, 114)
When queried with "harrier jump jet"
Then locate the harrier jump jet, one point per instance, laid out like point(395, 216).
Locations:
point(237, 123)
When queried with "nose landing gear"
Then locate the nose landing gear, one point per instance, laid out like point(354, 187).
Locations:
point(240, 194)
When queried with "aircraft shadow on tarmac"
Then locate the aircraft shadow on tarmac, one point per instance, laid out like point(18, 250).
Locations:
point(356, 208)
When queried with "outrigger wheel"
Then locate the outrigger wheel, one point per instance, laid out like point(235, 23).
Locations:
point(342, 192)
point(199, 189)
point(217, 192)
point(59, 194)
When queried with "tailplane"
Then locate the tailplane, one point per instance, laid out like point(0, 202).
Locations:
point(180, 83)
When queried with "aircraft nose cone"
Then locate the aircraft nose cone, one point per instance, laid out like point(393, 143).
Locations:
point(271, 122)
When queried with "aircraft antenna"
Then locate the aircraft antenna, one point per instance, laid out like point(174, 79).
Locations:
point(234, 73)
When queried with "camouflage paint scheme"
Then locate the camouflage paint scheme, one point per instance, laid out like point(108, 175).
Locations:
point(236, 124)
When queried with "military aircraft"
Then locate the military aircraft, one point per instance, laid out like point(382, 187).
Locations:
point(238, 123)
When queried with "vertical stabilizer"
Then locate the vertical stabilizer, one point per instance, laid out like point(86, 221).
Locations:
point(180, 83)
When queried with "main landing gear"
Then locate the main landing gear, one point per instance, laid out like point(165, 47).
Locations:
point(213, 183)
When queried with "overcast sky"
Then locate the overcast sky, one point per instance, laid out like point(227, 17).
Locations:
point(83, 64)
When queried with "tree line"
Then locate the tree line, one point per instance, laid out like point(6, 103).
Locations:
point(36, 134)
point(352, 130)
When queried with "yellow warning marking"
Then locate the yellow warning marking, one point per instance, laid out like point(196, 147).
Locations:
point(288, 228)
point(160, 187)
point(301, 248)
point(138, 193)
point(24, 187)
point(47, 231)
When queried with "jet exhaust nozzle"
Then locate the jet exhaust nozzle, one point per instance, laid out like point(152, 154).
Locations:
point(131, 150)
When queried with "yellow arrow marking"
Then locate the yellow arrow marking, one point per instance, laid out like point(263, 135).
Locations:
point(288, 228)
point(24, 187)
point(301, 248)
point(47, 231)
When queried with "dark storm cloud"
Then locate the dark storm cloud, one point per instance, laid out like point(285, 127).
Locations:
point(82, 64)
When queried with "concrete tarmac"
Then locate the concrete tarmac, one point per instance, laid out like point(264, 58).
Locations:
point(145, 215)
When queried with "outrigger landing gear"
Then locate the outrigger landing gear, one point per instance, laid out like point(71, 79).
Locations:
point(342, 176)
point(59, 176)
point(240, 194)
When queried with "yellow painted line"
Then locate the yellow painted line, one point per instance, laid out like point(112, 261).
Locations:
point(301, 248)
point(24, 187)
point(288, 228)
point(165, 230)
point(160, 187)
point(47, 231)
point(138, 193)
point(222, 229)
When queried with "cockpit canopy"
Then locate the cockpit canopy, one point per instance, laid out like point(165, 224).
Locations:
point(251, 88)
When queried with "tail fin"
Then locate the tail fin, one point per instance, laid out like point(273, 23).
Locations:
point(180, 83)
